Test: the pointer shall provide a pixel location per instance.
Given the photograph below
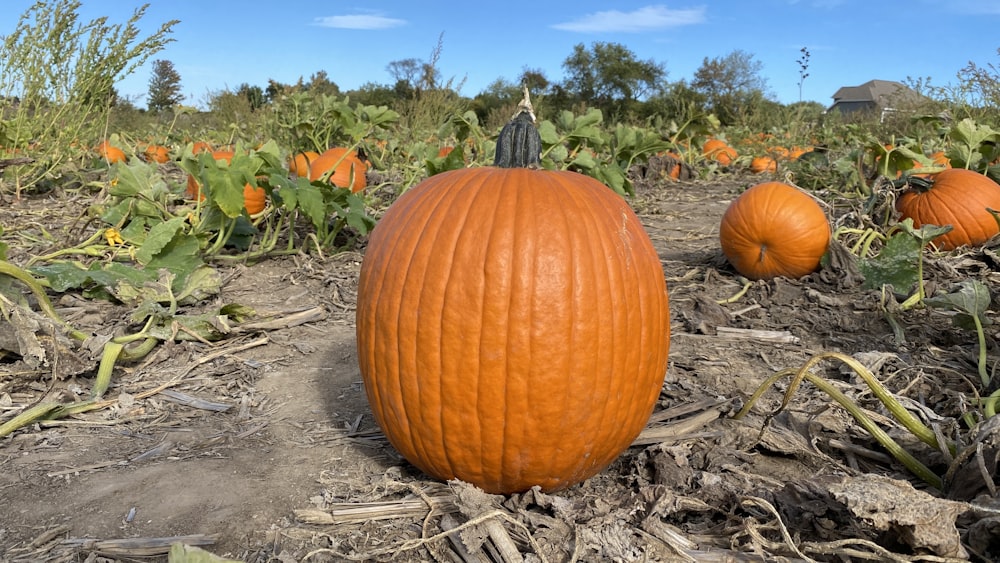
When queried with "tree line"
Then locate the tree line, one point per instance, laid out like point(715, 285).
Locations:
point(605, 75)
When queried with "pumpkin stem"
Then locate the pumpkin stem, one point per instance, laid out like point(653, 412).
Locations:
point(519, 144)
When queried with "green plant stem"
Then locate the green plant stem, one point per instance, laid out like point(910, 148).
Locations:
point(37, 412)
point(990, 404)
point(81, 248)
point(893, 447)
point(980, 334)
point(108, 359)
point(739, 294)
point(910, 422)
point(43, 299)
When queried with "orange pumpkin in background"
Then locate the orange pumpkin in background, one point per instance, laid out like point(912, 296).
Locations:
point(157, 153)
point(760, 164)
point(254, 198)
point(298, 163)
point(957, 197)
point(111, 153)
point(719, 151)
point(345, 168)
point(193, 186)
point(774, 229)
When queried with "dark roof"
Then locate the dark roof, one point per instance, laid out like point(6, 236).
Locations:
point(879, 92)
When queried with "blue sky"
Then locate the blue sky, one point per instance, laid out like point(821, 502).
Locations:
point(220, 45)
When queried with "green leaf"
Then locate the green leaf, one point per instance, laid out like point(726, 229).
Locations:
point(454, 160)
point(895, 265)
point(203, 282)
point(63, 276)
point(547, 131)
point(970, 299)
point(159, 238)
point(926, 233)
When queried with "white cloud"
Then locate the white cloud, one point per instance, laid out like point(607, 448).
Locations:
point(648, 18)
point(360, 21)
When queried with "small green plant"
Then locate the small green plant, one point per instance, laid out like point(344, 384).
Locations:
point(900, 263)
point(969, 301)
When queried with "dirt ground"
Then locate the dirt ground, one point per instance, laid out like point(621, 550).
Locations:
point(262, 447)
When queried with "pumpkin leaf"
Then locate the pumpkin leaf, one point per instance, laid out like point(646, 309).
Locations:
point(63, 276)
point(926, 233)
point(454, 160)
point(970, 299)
point(895, 265)
point(969, 143)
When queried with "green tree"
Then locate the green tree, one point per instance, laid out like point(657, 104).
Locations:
point(254, 95)
point(609, 76)
point(164, 86)
point(320, 83)
point(732, 85)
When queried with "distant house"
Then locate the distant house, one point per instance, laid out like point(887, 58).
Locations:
point(879, 97)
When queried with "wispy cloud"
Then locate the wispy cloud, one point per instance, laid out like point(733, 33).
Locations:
point(360, 21)
point(648, 18)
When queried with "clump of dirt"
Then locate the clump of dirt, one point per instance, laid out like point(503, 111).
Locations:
point(261, 447)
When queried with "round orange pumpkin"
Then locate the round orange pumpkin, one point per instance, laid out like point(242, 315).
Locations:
point(157, 153)
point(774, 229)
point(719, 151)
point(957, 197)
point(348, 171)
point(201, 146)
point(299, 163)
point(513, 326)
point(761, 164)
point(111, 153)
point(254, 199)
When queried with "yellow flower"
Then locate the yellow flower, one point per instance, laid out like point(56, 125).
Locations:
point(113, 237)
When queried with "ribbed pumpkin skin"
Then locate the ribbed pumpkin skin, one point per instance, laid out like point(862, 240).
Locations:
point(773, 229)
point(957, 197)
point(512, 326)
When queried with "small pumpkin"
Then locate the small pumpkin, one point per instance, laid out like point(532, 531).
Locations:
point(957, 197)
point(254, 199)
point(719, 151)
point(156, 153)
point(346, 170)
point(774, 229)
point(111, 153)
point(513, 324)
point(201, 146)
point(299, 162)
point(760, 164)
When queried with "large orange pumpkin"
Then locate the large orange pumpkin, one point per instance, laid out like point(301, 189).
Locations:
point(512, 326)
point(957, 197)
point(774, 229)
point(348, 171)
